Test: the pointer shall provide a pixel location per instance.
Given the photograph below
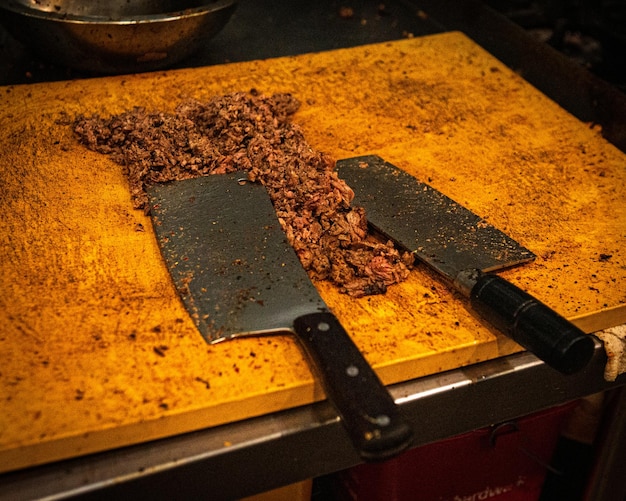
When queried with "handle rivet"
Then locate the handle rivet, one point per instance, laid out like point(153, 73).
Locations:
point(323, 326)
point(383, 420)
point(352, 371)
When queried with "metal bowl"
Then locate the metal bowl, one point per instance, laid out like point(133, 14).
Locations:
point(115, 36)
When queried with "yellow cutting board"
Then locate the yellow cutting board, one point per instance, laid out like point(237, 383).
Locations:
point(96, 350)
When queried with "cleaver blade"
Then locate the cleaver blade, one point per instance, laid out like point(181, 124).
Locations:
point(464, 249)
point(238, 276)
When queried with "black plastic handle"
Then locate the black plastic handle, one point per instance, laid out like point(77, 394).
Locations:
point(532, 324)
point(367, 410)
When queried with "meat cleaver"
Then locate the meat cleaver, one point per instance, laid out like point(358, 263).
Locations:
point(238, 276)
point(464, 249)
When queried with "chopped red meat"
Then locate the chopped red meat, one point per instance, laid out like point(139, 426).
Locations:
point(255, 133)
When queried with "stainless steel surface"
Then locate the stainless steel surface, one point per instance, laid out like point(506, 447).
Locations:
point(443, 234)
point(247, 457)
point(115, 36)
point(229, 257)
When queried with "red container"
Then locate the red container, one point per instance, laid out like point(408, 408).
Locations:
point(505, 462)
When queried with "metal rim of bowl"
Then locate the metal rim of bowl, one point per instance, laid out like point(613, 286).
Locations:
point(210, 6)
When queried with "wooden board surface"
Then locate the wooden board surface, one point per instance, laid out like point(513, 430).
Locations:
point(96, 349)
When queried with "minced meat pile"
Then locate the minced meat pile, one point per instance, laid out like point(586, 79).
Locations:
point(253, 132)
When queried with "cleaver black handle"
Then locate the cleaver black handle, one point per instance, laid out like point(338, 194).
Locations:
point(368, 411)
point(532, 324)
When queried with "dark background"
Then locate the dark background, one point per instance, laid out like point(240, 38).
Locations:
point(592, 33)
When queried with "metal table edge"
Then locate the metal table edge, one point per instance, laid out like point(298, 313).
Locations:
point(251, 456)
